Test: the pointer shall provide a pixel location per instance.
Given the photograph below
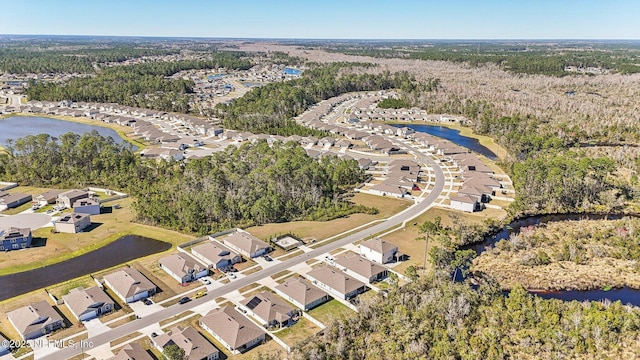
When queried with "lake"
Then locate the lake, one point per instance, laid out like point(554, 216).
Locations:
point(454, 136)
point(125, 249)
point(20, 126)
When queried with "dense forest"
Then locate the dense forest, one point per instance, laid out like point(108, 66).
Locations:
point(142, 85)
point(544, 59)
point(434, 317)
point(253, 184)
point(439, 319)
point(18, 60)
point(270, 109)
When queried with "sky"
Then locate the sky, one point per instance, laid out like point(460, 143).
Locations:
point(328, 19)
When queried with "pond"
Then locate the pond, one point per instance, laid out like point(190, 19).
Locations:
point(20, 126)
point(454, 136)
point(624, 295)
point(125, 249)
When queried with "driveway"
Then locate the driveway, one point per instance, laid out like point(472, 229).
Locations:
point(32, 221)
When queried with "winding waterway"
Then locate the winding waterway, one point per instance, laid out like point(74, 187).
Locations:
point(625, 295)
point(125, 249)
point(20, 126)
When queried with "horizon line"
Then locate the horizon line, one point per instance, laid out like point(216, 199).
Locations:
point(316, 39)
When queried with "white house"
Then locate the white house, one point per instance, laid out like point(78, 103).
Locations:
point(378, 250)
point(465, 203)
point(302, 293)
point(215, 255)
point(336, 282)
point(183, 267)
point(234, 331)
point(246, 244)
point(87, 304)
point(130, 285)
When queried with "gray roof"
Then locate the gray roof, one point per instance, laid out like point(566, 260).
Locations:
point(72, 218)
point(33, 317)
point(245, 241)
point(195, 346)
point(360, 265)
point(15, 197)
point(335, 279)
point(214, 251)
point(129, 282)
point(181, 264)
point(233, 328)
point(85, 202)
point(132, 351)
point(73, 194)
point(14, 232)
point(269, 307)
point(301, 290)
point(379, 245)
point(49, 195)
point(80, 300)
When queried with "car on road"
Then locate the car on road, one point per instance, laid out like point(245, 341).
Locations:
point(204, 281)
point(199, 294)
point(184, 300)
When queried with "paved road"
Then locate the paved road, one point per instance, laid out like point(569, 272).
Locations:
point(171, 311)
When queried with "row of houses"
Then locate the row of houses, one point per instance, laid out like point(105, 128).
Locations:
point(213, 254)
point(401, 177)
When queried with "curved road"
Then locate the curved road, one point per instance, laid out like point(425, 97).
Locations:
point(136, 325)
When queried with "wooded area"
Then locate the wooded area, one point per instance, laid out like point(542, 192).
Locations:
point(142, 85)
point(245, 186)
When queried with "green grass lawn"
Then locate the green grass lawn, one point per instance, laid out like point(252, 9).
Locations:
point(331, 310)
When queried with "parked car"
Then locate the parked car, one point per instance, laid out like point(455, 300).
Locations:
point(147, 301)
point(267, 257)
point(232, 275)
point(204, 281)
point(184, 300)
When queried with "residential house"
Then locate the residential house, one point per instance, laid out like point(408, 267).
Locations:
point(163, 153)
point(344, 143)
point(87, 206)
point(366, 270)
point(404, 131)
point(326, 141)
point(15, 238)
point(302, 293)
point(388, 190)
point(35, 320)
point(234, 331)
point(183, 267)
point(378, 250)
point(336, 282)
point(47, 198)
point(465, 203)
point(10, 201)
point(132, 351)
point(246, 244)
point(269, 310)
point(72, 223)
point(365, 163)
point(130, 285)
point(67, 198)
point(195, 346)
point(215, 255)
point(87, 304)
